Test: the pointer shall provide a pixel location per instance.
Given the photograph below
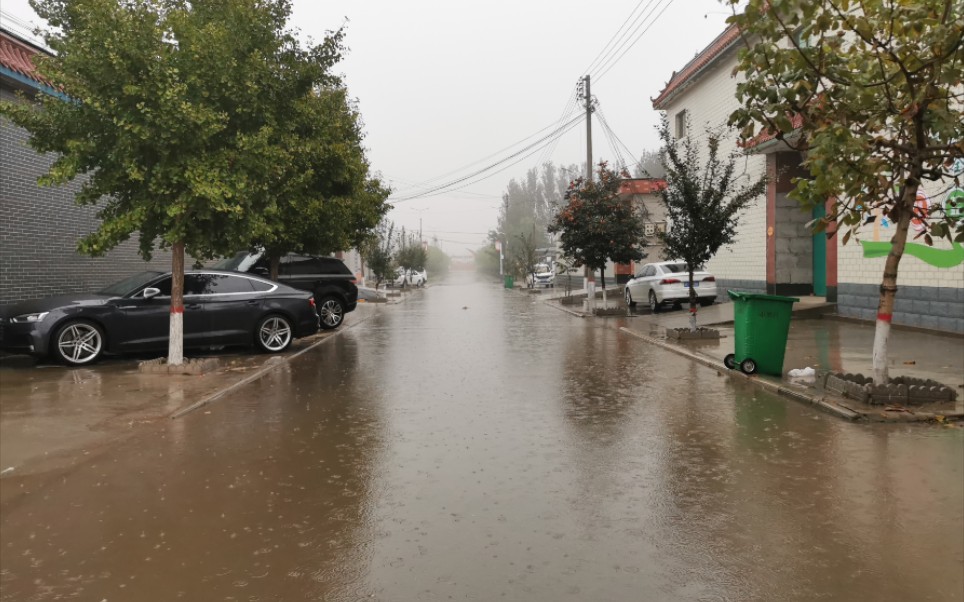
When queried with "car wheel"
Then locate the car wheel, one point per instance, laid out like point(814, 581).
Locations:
point(629, 299)
point(653, 303)
point(748, 366)
point(707, 301)
point(78, 342)
point(331, 310)
point(273, 334)
point(730, 361)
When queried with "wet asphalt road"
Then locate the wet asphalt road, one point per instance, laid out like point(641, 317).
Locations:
point(475, 444)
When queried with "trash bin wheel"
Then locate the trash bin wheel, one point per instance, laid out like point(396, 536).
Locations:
point(748, 366)
point(730, 361)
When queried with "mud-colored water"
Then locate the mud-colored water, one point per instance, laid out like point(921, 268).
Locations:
point(474, 443)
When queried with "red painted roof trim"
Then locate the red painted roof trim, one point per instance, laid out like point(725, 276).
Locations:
point(679, 81)
point(17, 56)
point(641, 186)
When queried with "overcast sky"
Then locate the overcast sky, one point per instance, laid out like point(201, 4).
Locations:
point(447, 88)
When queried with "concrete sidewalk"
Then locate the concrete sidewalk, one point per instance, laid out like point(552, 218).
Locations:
point(822, 341)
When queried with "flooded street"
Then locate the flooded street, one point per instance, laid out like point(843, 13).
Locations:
point(475, 444)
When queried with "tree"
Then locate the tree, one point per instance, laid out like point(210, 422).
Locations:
point(411, 256)
point(377, 250)
point(324, 199)
point(437, 261)
point(173, 114)
point(871, 91)
point(596, 225)
point(702, 202)
point(524, 254)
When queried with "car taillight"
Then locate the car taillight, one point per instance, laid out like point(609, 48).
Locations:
point(311, 302)
point(710, 279)
point(669, 281)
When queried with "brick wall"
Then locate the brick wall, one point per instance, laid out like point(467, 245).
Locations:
point(40, 227)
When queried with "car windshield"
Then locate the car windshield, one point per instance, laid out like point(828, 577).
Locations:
point(241, 262)
point(129, 285)
point(674, 268)
point(540, 268)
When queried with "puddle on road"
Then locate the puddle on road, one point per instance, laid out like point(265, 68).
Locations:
point(473, 443)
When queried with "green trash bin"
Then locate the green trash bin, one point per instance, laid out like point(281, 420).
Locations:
point(761, 324)
point(509, 281)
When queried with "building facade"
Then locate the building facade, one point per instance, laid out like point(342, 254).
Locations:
point(774, 251)
point(40, 227)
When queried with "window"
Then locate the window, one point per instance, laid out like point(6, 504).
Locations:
point(681, 119)
point(261, 287)
point(215, 284)
point(649, 271)
point(649, 229)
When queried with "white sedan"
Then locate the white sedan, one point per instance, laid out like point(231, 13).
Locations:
point(667, 282)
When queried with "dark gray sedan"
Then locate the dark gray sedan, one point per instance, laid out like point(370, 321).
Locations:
point(133, 315)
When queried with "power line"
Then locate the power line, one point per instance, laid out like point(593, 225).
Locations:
point(638, 38)
point(429, 182)
point(444, 188)
point(619, 33)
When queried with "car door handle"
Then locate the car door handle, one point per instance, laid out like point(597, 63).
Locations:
point(252, 301)
point(193, 306)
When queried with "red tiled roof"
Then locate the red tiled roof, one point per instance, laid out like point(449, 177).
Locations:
point(679, 80)
point(641, 186)
point(17, 56)
point(766, 135)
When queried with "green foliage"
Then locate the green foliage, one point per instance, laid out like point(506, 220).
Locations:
point(596, 225)
point(524, 256)
point(437, 262)
point(377, 249)
point(411, 256)
point(875, 88)
point(702, 202)
point(487, 261)
point(528, 205)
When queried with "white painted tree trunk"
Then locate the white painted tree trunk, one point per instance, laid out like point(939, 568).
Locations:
point(591, 291)
point(881, 335)
point(175, 345)
point(175, 349)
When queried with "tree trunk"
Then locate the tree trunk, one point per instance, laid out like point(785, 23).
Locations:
point(175, 346)
point(275, 262)
point(602, 281)
point(694, 303)
point(591, 290)
point(888, 286)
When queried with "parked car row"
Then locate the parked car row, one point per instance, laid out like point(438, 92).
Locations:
point(234, 305)
point(410, 277)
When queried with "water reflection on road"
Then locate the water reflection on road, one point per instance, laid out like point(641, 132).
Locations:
point(474, 443)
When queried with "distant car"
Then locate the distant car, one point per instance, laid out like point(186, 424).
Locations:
point(133, 315)
point(667, 282)
point(406, 277)
point(541, 276)
point(328, 278)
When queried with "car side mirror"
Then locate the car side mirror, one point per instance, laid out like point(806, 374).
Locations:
point(260, 271)
point(150, 292)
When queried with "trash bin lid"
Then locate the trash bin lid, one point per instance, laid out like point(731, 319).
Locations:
point(744, 296)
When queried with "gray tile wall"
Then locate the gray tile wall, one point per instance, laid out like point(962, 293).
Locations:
point(937, 308)
point(40, 227)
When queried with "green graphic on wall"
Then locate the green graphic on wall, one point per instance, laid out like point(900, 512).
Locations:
point(939, 258)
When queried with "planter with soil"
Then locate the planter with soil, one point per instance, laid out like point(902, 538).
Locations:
point(905, 390)
point(684, 334)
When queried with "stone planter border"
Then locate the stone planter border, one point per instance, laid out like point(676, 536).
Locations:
point(192, 366)
point(683, 334)
point(905, 390)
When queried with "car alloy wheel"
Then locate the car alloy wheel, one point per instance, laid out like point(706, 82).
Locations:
point(274, 334)
point(332, 312)
point(629, 298)
point(653, 302)
point(79, 342)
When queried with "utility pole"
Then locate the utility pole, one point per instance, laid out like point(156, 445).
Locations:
point(590, 274)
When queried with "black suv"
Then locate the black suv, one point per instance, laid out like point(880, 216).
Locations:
point(328, 278)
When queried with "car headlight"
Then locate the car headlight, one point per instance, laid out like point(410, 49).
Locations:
point(29, 318)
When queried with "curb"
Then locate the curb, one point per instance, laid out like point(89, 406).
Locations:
point(822, 403)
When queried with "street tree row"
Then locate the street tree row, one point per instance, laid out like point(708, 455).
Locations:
point(203, 128)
